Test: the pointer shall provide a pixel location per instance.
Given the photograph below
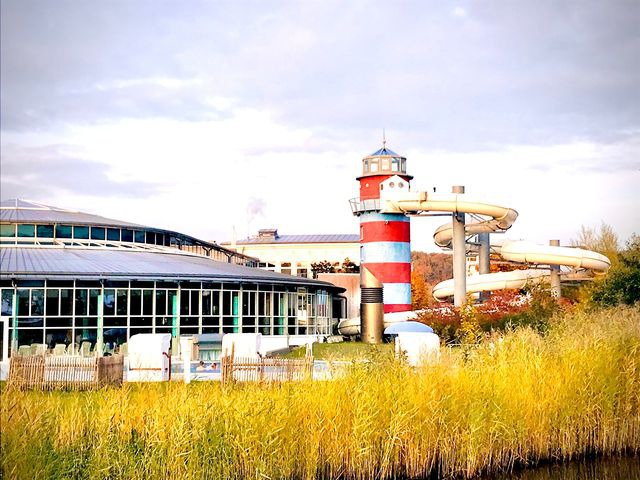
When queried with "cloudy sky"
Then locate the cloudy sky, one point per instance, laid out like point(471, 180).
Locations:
point(210, 117)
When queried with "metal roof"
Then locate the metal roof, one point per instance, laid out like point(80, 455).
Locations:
point(384, 151)
point(327, 238)
point(99, 263)
point(17, 210)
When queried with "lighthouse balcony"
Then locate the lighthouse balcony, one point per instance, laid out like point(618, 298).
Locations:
point(359, 206)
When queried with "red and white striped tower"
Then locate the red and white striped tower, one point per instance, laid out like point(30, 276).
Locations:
point(385, 249)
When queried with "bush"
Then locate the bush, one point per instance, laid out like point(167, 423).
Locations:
point(622, 283)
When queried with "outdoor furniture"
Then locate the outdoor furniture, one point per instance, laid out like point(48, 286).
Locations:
point(60, 349)
point(24, 350)
point(85, 349)
point(38, 348)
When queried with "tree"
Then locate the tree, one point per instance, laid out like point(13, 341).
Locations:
point(622, 283)
point(604, 241)
point(421, 296)
point(322, 267)
point(349, 267)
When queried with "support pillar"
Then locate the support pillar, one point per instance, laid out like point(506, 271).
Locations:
point(554, 279)
point(459, 255)
point(100, 332)
point(484, 263)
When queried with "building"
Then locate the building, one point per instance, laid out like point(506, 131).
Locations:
point(71, 278)
point(294, 254)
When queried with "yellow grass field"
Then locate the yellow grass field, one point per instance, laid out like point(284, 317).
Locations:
point(516, 399)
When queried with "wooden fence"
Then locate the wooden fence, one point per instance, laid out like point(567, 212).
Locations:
point(44, 372)
point(239, 369)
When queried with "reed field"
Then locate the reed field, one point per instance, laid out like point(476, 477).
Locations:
point(516, 399)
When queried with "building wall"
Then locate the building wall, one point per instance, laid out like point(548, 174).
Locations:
point(300, 256)
point(350, 282)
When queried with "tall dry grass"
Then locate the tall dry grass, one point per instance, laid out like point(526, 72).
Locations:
point(517, 399)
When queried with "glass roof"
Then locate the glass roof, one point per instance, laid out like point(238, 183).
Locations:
point(384, 151)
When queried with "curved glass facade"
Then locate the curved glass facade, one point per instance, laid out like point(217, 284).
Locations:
point(64, 286)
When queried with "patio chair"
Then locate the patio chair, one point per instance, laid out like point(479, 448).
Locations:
point(124, 349)
point(24, 350)
point(38, 348)
point(85, 349)
point(60, 349)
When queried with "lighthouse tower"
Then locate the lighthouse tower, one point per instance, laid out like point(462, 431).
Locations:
point(385, 249)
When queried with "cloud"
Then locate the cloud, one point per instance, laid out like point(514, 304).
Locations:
point(42, 172)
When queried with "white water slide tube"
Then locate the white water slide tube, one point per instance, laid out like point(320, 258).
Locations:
point(499, 219)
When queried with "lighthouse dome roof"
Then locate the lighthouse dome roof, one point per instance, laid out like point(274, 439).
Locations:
point(384, 151)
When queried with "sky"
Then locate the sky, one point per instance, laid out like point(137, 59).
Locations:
point(219, 118)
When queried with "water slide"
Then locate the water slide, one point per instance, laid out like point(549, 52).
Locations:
point(489, 218)
point(495, 219)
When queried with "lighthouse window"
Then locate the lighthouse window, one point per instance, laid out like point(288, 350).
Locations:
point(400, 184)
point(366, 166)
point(392, 184)
point(385, 164)
point(374, 165)
point(403, 167)
point(395, 164)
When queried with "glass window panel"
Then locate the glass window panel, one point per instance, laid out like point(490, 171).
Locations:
point(86, 335)
point(97, 233)
point(161, 302)
point(206, 302)
point(63, 231)
point(80, 232)
point(81, 302)
point(113, 234)
point(27, 337)
point(23, 302)
point(211, 321)
point(139, 236)
point(135, 305)
point(147, 302)
point(184, 302)
point(136, 331)
point(215, 329)
point(30, 322)
point(26, 230)
point(7, 302)
point(53, 302)
point(84, 322)
point(113, 337)
point(188, 322)
point(189, 331)
point(44, 231)
point(53, 337)
point(122, 302)
point(159, 239)
point(195, 302)
point(151, 237)
point(127, 235)
point(115, 321)
point(58, 322)
point(163, 321)
point(109, 302)
point(94, 294)
point(66, 301)
point(141, 321)
point(8, 230)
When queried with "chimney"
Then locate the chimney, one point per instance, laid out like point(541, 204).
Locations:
point(271, 233)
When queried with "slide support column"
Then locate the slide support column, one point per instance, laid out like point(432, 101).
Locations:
point(554, 279)
point(484, 265)
point(459, 256)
